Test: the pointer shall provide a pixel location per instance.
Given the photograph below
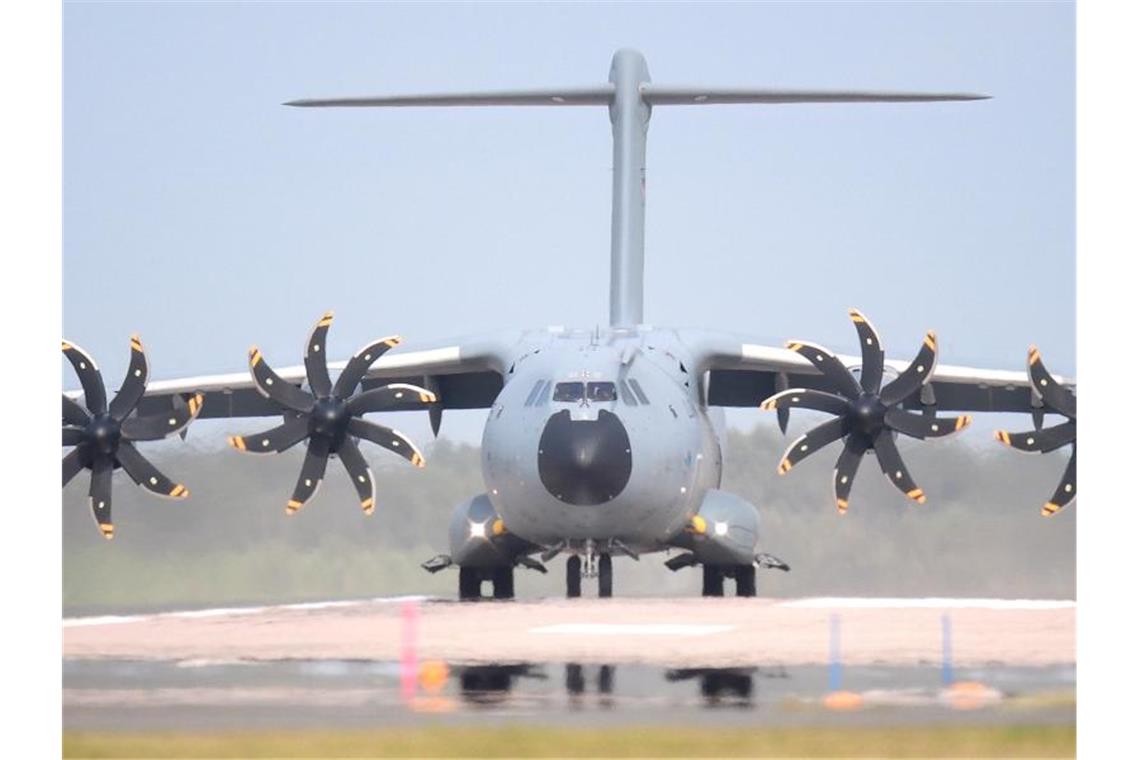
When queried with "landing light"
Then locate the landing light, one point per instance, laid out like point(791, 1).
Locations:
point(478, 530)
point(721, 528)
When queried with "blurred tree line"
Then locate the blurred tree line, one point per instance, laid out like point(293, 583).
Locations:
point(979, 534)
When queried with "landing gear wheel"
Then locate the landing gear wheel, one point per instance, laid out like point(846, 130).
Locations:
point(713, 584)
point(470, 584)
point(605, 576)
point(745, 580)
point(504, 583)
point(573, 577)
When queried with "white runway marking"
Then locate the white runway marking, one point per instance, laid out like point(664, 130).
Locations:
point(232, 611)
point(632, 629)
point(935, 603)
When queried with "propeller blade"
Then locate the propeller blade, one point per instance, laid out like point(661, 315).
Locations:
point(891, 462)
point(100, 494)
point(1055, 396)
point(94, 394)
point(147, 475)
point(807, 399)
point(393, 440)
point(827, 363)
point(1066, 490)
point(812, 441)
point(871, 374)
point(783, 414)
point(360, 474)
point(358, 365)
point(74, 414)
point(72, 436)
point(922, 426)
point(312, 473)
point(435, 416)
point(1042, 441)
point(1038, 418)
point(270, 384)
point(391, 398)
point(134, 384)
point(316, 363)
point(72, 464)
point(914, 376)
point(156, 426)
point(845, 468)
point(274, 440)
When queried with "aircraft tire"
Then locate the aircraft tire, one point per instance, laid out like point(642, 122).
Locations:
point(573, 577)
point(605, 576)
point(746, 580)
point(470, 584)
point(504, 583)
point(713, 581)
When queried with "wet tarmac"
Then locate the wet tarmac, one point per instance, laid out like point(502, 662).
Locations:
point(209, 695)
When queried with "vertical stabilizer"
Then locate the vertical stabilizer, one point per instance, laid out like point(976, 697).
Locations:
point(629, 114)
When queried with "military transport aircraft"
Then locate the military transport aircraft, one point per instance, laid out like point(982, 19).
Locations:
point(598, 442)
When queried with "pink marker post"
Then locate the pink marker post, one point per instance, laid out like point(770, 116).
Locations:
point(409, 657)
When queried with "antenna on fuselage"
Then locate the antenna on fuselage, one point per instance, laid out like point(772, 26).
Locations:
point(630, 97)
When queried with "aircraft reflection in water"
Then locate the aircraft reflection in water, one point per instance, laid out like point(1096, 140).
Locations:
point(719, 686)
point(489, 685)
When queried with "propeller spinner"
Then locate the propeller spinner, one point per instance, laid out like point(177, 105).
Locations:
point(330, 416)
point(103, 436)
point(867, 415)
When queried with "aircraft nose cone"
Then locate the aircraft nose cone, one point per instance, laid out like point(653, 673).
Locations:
point(584, 462)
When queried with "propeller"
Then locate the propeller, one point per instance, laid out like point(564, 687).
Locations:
point(867, 414)
point(1060, 400)
point(102, 435)
point(330, 417)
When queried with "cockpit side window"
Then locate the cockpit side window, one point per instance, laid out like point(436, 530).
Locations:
point(534, 393)
point(601, 392)
point(627, 395)
point(569, 392)
point(637, 390)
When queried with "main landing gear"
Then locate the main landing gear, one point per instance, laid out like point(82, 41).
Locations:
point(471, 582)
point(714, 575)
point(600, 566)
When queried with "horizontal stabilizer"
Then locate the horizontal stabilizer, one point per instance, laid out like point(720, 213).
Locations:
point(664, 95)
point(596, 95)
point(654, 95)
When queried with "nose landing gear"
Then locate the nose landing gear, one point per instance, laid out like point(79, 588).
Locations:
point(590, 564)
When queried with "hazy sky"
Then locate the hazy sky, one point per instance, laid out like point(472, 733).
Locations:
point(202, 214)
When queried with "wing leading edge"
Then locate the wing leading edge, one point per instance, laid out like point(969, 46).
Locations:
point(464, 374)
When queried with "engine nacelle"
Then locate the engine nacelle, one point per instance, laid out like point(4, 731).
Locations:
point(724, 531)
point(477, 536)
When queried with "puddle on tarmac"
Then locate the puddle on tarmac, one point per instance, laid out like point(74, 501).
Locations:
point(195, 695)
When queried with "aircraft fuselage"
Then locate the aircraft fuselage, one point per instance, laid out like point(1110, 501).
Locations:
point(599, 436)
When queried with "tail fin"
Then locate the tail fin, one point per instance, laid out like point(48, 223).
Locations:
point(630, 96)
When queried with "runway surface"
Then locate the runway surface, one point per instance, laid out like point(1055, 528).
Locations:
point(669, 633)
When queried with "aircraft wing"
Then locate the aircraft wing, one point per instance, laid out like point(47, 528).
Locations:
point(744, 373)
point(464, 374)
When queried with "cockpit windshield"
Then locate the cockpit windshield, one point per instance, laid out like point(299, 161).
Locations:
point(578, 392)
point(601, 392)
point(569, 391)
